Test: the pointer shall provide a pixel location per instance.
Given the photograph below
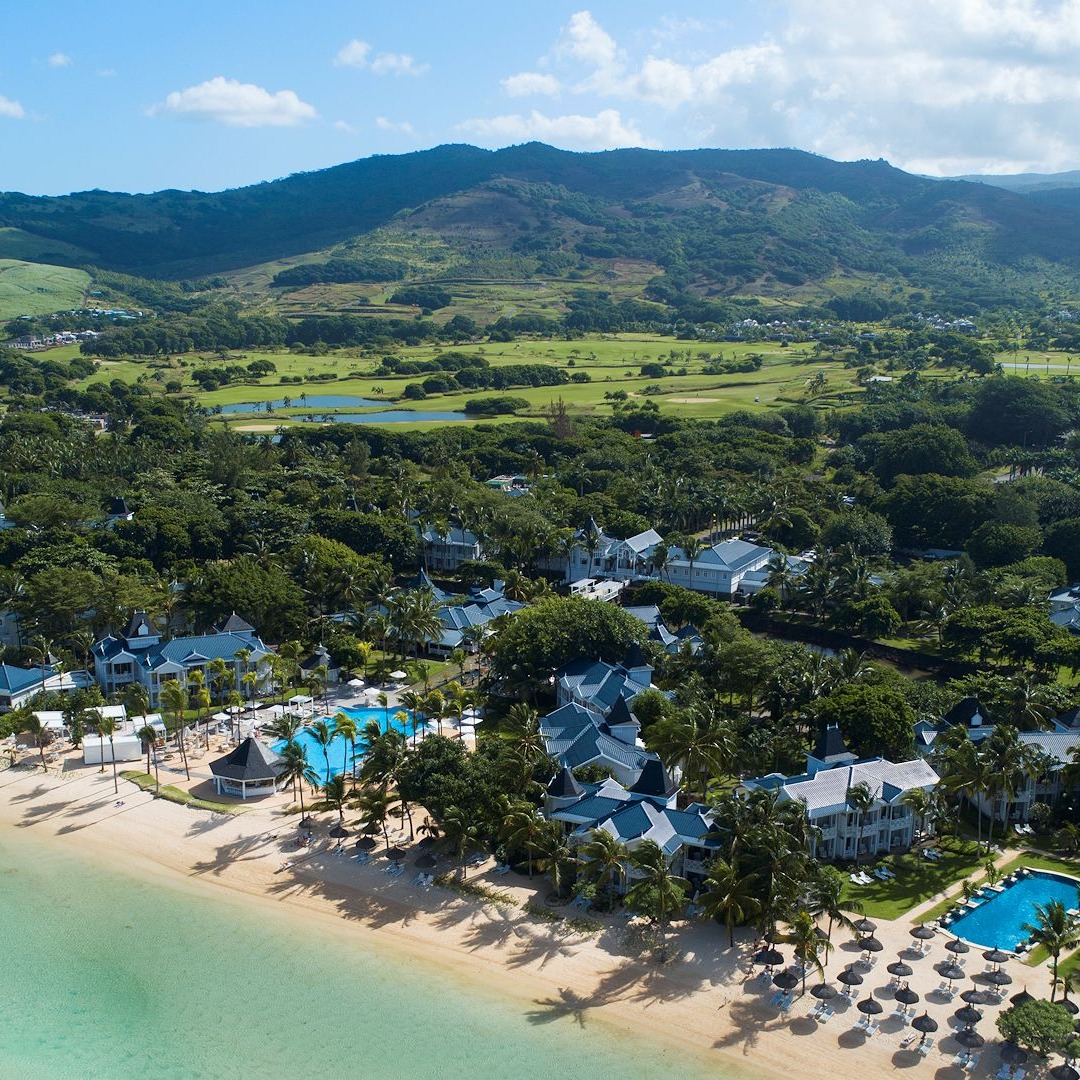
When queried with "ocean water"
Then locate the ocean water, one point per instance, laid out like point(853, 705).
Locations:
point(112, 976)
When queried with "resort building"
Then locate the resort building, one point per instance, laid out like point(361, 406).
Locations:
point(447, 549)
point(575, 736)
point(18, 685)
point(645, 810)
point(841, 831)
point(718, 569)
point(597, 685)
point(140, 656)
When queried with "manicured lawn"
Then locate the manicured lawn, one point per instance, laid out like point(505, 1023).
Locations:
point(917, 880)
point(145, 782)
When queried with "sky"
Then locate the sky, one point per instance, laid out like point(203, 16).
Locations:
point(143, 96)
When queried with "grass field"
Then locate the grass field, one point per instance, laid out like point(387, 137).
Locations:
point(612, 363)
point(39, 289)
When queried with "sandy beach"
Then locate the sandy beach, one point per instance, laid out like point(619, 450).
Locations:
point(702, 1007)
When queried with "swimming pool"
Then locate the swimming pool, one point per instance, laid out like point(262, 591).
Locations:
point(998, 922)
point(340, 754)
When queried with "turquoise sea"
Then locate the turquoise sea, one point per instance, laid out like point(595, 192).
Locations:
point(110, 975)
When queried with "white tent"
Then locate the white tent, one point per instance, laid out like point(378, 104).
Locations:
point(97, 751)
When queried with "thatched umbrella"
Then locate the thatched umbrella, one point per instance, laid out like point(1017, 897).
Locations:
point(975, 997)
point(952, 972)
point(968, 1015)
point(1064, 1072)
point(367, 843)
point(1022, 998)
point(870, 1006)
point(850, 977)
point(395, 854)
point(970, 1039)
point(786, 980)
point(1012, 1054)
point(957, 946)
point(425, 862)
point(865, 926)
point(823, 991)
point(900, 969)
point(922, 933)
point(870, 944)
point(997, 956)
point(339, 832)
point(906, 996)
point(769, 957)
point(925, 1023)
point(998, 978)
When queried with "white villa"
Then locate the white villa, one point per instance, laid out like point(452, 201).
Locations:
point(832, 771)
point(140, 656)
point(647, 810)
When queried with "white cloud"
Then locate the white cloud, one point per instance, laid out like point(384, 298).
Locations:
point(604, 131)
point(59, 60)
point(11, 110)
point(384, 124)
point(238, 104)
point(397, 64)
point(105, 73)
point(970, 84)
point(529, 83)
point(343, 125)
point(357, 54)
point(354, 54)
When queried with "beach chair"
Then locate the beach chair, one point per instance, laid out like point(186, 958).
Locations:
point(872, 1029)
point(855, 879)
point(926, 1046)
point(908, 1039)
point(1019, 1074)
point(901, 1013)
point(862, 1023)
point(775, 999)
point(1005, 1072)
point(826, 1014)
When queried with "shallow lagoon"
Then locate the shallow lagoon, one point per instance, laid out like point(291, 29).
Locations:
point(109, 975)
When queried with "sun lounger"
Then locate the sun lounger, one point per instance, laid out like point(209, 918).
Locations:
point(901, 1013)
point(872, 1029)
point(926, 1046)
point(1019, 1074)
point(887, 872)
point(855, 879)
point(826, 1014)
point(908, 1039)
point(775, 999)
point(1005, 1072)
point(861, 1023)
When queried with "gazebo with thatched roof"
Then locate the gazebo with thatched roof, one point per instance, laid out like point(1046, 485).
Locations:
point(250, 770)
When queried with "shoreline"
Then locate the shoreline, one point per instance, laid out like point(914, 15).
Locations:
point(699, 1010)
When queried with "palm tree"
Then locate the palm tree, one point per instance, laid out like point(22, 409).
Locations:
point(374, 810)
point(1010, 762)
point(520, 828)
point(803, 934)
point(106, 729)
point(296, 769)
point(1056, 931)
point(698, 741)
point(603, 860)
point(322, 734)
point(659, 891)
point(729, 896)
point(149, 740)
point(173, 698)
point(335, 793)
point(552, 854)
point(345, 728)
point(860, 798)
point(460, 833)
point(692, 547)
point(827, 898)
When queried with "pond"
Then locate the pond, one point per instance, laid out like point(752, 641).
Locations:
point(312, 401)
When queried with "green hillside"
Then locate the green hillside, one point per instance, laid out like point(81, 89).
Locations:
point(706, 223)
point(28, 288)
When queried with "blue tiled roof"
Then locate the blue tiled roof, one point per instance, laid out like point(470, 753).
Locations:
point(631, 821)
point(16, 679)
point(200, 648)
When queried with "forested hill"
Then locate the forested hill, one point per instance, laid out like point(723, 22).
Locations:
point(732, 218)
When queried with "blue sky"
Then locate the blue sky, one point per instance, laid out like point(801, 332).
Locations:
point(139, 97)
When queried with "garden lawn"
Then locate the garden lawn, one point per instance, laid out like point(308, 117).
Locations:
point(917, 880)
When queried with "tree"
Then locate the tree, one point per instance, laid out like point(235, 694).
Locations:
point(106, 729)
point(460, 833)
point(520, 829)
point(860, 798)
point(149, 739)
point(539, 639)
point(730, 896)
point(296, 770)
point(874, 719)
point(698, 741)
point(323, 735)
point(1040, 1026)
point(174, 701)
point(1056, 931)
point(803, 934)
point(345, 728)
point(658, 892)
point(603, 860)
point(552, 855)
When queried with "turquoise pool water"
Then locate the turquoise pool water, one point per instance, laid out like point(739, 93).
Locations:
point(340, 753)
point(109, 975)
point(998, 923)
